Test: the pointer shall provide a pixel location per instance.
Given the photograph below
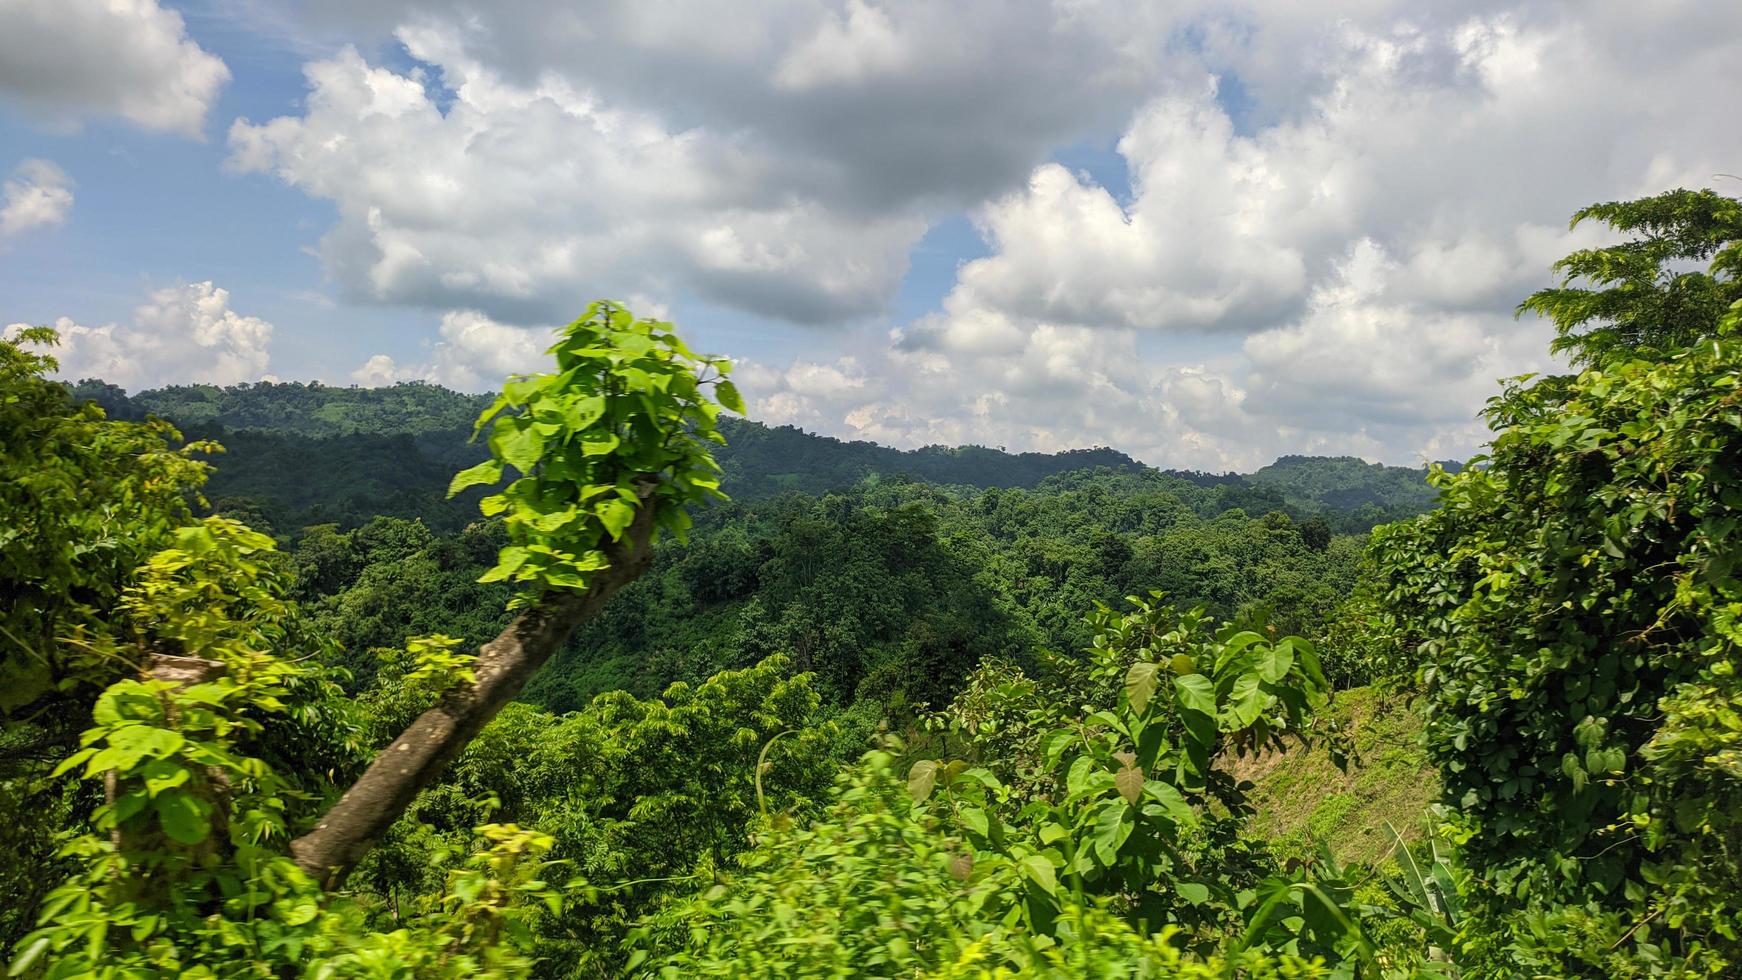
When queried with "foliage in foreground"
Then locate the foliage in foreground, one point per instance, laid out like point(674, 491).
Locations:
point(1572, 617)
point(1088, 832)
point(880, 887)
point(83, 502)
point(183, 872)
point(1573, 614)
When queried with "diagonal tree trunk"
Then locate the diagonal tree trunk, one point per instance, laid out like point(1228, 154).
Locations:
point(356, 822)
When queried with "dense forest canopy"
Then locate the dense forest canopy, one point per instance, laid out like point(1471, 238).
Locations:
point(305, 454)
point(361, 696)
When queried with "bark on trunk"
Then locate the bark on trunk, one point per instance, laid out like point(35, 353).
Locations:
point(356, 822)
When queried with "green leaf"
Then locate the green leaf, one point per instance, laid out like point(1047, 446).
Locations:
point(28, 956)
point(727, 393)
point(1195, 893)
point(1140, 683)
point(508, 561)
point(72, 761)
point(975, 820)
point(616, 516)
point(1172, 802)
point(162, 774)
point(1274, 663)
point(517, 443)
point(1245, 701)
point(489, 471)
point(585, 411)
point(600, 444)
point(519, 390)
point(1039, 870)
point(1111, 832)
point(921, 778)
point(302, 913)
point(1195, 692)
point(185, 819)
point(1196, 695)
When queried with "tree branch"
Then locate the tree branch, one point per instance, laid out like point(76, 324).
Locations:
point(413, 761)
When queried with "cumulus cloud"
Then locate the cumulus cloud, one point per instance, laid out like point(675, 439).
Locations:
point(1358, 242)
point(474, 354)
point(1358, 372)
point(1328, 221)
point(526, 203)
point(782, 164)
point(1461, 149)
point(38, 195)
point(66, 59)
point(179, 335)
point(870, 103)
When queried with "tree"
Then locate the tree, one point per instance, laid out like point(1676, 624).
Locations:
point(1640, 298)
point(1571, 612)
point(609, 450)
point(205, 751)
point(85, 499)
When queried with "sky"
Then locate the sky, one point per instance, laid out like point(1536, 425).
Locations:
point(1203, 233)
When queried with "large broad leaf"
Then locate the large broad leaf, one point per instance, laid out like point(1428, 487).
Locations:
point(1245, 701)
point(1196, 695)
point(1172, 801)
point(489, 471)
point(1039, 870)
point(616, 516)
point(509, 560)
point(727, 392)
point(599, 443)
point(517, 442)
point(584, 411)
point(1140, 683)
point(1273, 663)
point(1111, 832)
point(921, 779)
point(1196, 692)
point(974, 819)
point(184, 818)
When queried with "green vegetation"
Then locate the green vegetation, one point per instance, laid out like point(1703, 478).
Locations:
point(1303, 799)
point(947, 713)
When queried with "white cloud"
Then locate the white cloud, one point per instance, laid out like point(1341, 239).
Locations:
point(475, 353)
point(181, 334)
point(782, 163)
point(1367, 231)
point(1330, 214)
point(528, 202)
point(66, 59)
point(38, 195)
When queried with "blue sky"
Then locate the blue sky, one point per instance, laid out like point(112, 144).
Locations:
point(1203, 233)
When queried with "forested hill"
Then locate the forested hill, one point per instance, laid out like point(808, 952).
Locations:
point(1346, 483)
point(299, 455)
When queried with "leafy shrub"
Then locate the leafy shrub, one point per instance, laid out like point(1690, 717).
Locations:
point(1574, 612)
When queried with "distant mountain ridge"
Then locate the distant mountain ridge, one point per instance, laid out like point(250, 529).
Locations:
point(1344, 483)
point(302, 454)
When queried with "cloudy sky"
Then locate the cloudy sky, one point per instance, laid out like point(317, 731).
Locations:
point(1205, 233)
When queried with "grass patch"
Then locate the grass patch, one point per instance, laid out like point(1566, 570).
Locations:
point(1303, 799)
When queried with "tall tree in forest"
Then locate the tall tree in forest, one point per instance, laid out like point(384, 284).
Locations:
point(1573, 612)
point(1640, 297)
